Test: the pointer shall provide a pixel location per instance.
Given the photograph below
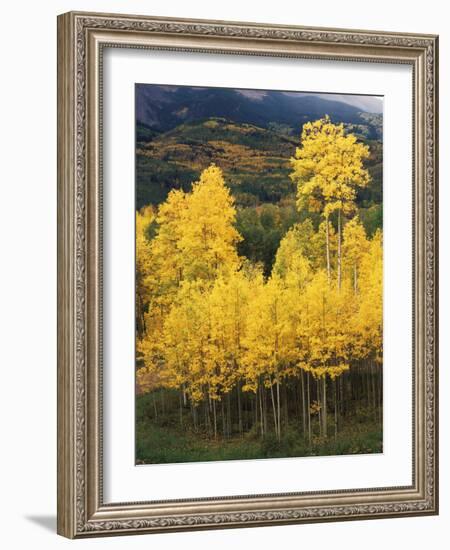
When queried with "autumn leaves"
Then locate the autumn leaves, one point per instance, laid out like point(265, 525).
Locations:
point(211, 326)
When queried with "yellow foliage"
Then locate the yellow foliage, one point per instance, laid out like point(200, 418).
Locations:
point(212, 320)
point(196, 239)
point(328, 167)
point(368, 322)
point(208, 238)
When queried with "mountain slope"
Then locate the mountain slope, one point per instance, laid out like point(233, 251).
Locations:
point(255, 161)
point(162, 108)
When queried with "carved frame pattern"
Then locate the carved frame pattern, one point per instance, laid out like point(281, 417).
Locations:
point(81, 511)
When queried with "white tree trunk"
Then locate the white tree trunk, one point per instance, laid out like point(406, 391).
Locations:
point(327, 233)
point(324, 407)
point(339, 262)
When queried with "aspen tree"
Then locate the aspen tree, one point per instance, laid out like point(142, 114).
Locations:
point(144, 218)
point(355, 246)
point(328, 169)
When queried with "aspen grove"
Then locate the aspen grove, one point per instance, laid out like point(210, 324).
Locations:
point(230, 350)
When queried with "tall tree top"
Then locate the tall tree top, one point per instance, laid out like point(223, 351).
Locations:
point(328, 167)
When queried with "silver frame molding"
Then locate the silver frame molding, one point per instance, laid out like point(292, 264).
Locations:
point(81, 39)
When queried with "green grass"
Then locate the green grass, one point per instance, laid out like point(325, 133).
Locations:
point(165, 441)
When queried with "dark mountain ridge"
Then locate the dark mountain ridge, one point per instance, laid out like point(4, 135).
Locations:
point(162, 108)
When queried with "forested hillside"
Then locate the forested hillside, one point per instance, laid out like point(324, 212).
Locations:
point(258, 290)
point(256, 166)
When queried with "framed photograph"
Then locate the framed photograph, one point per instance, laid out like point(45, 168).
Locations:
point(247, 276)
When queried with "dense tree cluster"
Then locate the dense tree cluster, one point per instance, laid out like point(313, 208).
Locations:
point(246, 349)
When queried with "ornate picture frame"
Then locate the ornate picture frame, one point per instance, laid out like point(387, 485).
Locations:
point(82, 38)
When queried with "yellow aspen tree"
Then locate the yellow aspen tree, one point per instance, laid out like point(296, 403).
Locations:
point(328, 315)
point(158, 272)
point(292, 257)
point(355, 245)
point(185, 341)
point(208, 237)
point(295, 270)
point(369, 321)
point(328, 168)
point(195, 237)
point(150, 353)
point(167, 262)
point(267, 332)
point(229, 306)
point(144, 218)
point(324, 244)
point(195, 241)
